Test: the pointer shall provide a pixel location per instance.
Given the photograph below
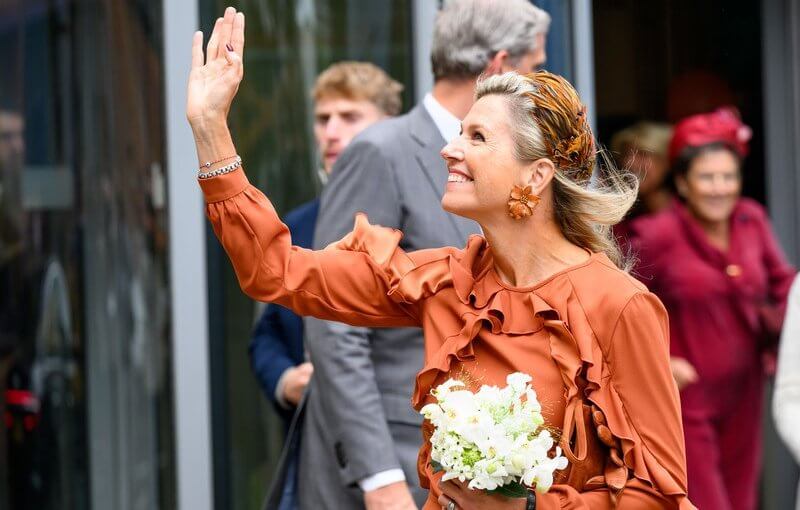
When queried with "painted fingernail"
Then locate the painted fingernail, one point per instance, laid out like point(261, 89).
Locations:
point(229, 47)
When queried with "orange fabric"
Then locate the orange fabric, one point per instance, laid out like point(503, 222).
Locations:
point(594, 339)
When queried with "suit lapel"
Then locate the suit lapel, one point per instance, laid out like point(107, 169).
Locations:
point(430, 141)
point(425, 133)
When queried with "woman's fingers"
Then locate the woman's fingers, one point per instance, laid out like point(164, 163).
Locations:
point(197, 50)
point(450, 492)
point(237, 36)
point(444, 501)
point(452, 487)
point(226, 30)
point(234, 60)
point(212, 52)
point(231, 56)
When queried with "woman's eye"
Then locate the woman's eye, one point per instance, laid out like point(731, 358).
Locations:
point(477, 136)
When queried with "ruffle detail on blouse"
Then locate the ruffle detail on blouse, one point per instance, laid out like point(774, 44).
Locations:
point(578, 355)
point(409, 279)
point(574, 346)
point(492, 306)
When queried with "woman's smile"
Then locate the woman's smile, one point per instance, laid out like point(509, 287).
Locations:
point(458, 177)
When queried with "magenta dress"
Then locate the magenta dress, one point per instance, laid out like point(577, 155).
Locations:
point(713, 299)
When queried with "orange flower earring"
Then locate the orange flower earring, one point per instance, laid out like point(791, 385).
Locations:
point(521, 202)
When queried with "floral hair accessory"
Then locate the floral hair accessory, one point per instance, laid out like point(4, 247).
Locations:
point(569, 152)
point(521, 202)
point(565, 128)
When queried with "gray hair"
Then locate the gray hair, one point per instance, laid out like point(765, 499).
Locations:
point(468, 33)
point(585, 209)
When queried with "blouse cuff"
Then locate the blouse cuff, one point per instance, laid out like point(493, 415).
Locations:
point(223, 187)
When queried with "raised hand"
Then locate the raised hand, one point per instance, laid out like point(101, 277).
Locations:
point(215, 76)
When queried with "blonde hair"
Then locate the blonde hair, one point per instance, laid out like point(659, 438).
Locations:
point(652, 137)
point(549, 121)
point(359, 81)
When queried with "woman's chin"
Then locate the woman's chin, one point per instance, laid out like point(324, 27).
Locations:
point(458, 206)
point(448, 205)
point(714, 211)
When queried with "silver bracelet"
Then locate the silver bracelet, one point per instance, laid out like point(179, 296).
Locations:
point(221, 171)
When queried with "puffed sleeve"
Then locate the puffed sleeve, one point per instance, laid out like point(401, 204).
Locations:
point(641, 375)
point(353, 285)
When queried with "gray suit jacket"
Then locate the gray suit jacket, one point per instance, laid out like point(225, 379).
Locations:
point(359, 417)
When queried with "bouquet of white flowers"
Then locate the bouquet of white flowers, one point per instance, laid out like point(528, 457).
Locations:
point(494, 438)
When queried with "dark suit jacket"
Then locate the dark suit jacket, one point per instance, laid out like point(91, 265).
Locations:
point(277, 342)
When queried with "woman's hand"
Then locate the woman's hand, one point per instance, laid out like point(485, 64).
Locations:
point(468, 499)
point(683, 372)
point(215, 76)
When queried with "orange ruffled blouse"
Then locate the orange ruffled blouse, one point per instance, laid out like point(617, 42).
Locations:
point(594, 340)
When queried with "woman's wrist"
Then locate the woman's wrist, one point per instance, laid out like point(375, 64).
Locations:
point(208, 122)
point(213, 141)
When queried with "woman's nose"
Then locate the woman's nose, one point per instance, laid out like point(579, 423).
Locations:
point(721, 185)
point(452, 151)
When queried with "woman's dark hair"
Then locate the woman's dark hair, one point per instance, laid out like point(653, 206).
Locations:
point(680, 167)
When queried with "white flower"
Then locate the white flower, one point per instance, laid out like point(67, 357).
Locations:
point(444, 388)
point(431, 412)
point(518, 381)
point(492, 438)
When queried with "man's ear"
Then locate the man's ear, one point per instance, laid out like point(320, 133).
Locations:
point(497, 63)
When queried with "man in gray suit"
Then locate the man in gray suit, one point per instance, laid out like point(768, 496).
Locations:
point(361, 435)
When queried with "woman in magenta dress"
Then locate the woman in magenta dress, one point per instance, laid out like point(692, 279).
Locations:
point(714, 261)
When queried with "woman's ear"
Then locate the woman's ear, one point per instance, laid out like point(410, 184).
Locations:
point(539, 174)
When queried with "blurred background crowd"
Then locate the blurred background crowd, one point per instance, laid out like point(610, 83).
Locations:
point(134, 374)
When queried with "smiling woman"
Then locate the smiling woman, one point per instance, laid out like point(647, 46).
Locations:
point(539, 293)
point(709, 179)
point(714, 261)
point(543, 134)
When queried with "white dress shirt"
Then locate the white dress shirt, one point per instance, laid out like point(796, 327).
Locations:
point(447, 123)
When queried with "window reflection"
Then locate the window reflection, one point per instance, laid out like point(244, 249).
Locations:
point(85, 387)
